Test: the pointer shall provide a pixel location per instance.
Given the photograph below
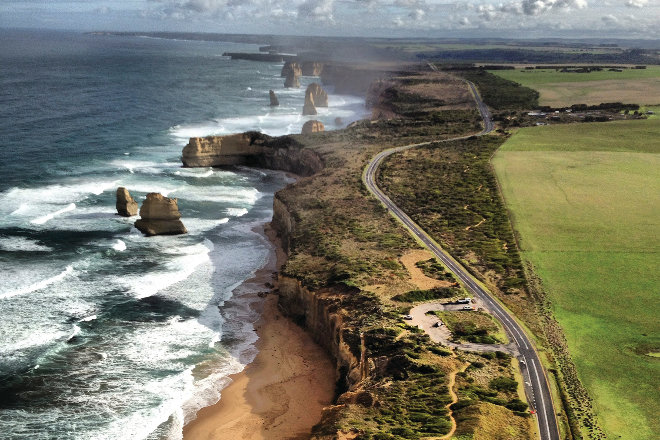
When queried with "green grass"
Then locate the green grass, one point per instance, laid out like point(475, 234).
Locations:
point(475, 327)
point(584, 201)
point(533, 78)
point(619, 136)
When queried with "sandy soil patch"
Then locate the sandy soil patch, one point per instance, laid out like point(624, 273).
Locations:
point(421, 281)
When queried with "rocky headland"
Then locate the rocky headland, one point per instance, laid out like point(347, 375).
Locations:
point(252, 149)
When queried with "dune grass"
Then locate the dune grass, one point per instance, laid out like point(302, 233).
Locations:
point(584, 202)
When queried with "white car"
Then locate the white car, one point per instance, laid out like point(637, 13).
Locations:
point(468, 308)
point(407, 317)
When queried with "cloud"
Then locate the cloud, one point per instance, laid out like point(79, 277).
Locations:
point(610, 19)
point(317, 10)
point(537, 7)
point(636, 3)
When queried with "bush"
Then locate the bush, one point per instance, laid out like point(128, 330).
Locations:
point(517, 405)
point(425, 295)
point(505, 384)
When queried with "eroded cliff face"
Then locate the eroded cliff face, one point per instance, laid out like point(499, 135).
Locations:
point(214, 151)
point(325, 314)
point(253, 149)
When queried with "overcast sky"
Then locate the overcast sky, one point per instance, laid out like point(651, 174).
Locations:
point(507, 18)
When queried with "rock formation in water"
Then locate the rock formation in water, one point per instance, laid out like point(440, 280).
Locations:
point(273, 99)
point(126, 205)
point(160, 215)
point(219, 150)
point(292, 80)
point(309, 108)
point(254, 149)
point(291, 67)
point(311, 68)
point(312, 127)
point(319, 96)
point(339, 121)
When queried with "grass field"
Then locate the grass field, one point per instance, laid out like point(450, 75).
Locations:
point(584, 202)
point(637, 86)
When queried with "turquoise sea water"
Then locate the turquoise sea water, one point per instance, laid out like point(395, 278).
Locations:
point(106, 334)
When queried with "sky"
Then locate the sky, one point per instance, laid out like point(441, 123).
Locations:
point(384, 18)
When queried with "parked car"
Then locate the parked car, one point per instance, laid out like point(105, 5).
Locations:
point(464, 301)
point(407, 317)
point(468, 308)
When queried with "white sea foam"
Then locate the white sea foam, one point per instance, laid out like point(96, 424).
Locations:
point(236, 212)
point(119, 246)
point(139, 166)
point(171, 391)
point(38, 285)
point(13, 244)
point(220, 194)
point(30, 202)
point(177, 269)
point(88, 318)
point(76, 331)
point(43, 219)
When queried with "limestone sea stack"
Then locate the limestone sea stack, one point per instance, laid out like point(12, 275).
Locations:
point(273, 99)
point(319, 95)
point(309, 108)
point(291, 67)
point(126, 205)
point(292, 81)
point(312, 127)
point(310, 68)
point(212, 151)
point(160, 216)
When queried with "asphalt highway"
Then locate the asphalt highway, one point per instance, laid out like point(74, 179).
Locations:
point(536, 384)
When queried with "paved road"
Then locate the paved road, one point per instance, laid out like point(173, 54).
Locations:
point(536, 383)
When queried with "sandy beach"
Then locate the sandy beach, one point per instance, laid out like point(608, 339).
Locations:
point(279, 395)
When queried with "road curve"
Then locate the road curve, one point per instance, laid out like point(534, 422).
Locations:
point(536, 382)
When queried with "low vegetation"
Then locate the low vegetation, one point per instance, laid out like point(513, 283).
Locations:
point(434, 269)
point(500, 93)
point(427, 295)
point(476, 327)
point(345, 248)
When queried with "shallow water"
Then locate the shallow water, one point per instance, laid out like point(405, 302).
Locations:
point(106, 333)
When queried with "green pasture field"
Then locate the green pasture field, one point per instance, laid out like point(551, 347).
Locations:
point(635, 86)
point(536, 77)
point(584, 201)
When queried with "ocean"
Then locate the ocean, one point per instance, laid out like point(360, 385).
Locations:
point(105, 333)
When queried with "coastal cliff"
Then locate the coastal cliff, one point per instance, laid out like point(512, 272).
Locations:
point(252, 149)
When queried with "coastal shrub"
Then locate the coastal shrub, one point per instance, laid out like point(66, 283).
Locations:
point(505, 384)
point(425, 295)
point(500, 93)
point(434, 269)
point(517, 405)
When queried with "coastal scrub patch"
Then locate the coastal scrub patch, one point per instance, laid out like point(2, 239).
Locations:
point(427, 295)
point(476, 327)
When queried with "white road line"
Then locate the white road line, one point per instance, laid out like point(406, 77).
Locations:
point(545, 415)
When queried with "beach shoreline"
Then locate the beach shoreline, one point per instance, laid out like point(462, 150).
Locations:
point(281, 393)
